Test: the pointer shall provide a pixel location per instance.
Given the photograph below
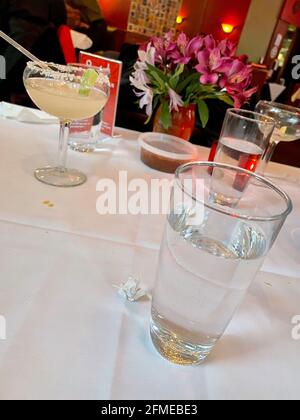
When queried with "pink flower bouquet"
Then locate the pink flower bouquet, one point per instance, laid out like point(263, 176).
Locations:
point(174, 72)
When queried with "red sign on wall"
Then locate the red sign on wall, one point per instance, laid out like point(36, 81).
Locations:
point(291, 12)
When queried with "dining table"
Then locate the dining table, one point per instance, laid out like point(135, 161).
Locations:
point(69, 335)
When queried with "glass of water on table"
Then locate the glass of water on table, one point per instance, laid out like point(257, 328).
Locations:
point(210, 254)
point(244, 139)
point(85, 135)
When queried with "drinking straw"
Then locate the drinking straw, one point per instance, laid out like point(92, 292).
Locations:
point(23, 50)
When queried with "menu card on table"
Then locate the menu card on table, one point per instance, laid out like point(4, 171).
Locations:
point(115, 70)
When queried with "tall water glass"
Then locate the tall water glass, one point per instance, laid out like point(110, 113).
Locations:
point(85, 135)
point(209, 256)
point(244, 138)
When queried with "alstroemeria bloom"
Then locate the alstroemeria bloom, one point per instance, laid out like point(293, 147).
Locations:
point(164, 47)
point(227, 48)
point(146, 100)
point(211, 64)
point(140, 80)
point(148, 56)
point(139, 76)
point(209, 42)
point(180, 54)
point(238, 77)
point(175, 100)
point(195, 45)
point(186, 49)
point(241, 97)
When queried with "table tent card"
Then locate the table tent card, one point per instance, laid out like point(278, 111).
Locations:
point(115, 70)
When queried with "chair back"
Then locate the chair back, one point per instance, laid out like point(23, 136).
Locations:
point(66, 43)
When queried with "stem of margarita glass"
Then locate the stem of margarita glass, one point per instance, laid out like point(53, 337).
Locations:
point(63, 145)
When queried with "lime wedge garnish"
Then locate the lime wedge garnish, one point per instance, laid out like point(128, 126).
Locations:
point(290, 131)
point(283, 131)
point(88, 81)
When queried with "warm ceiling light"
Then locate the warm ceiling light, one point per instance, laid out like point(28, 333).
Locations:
point(227, 28)
point(179, 20)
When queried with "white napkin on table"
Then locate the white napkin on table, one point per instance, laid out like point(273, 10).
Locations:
point(276, 90)
point(81, 41)
point(26, 115)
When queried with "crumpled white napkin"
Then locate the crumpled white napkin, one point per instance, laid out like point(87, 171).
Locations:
point(26, 115)
point(81, 41)
point(131, 291)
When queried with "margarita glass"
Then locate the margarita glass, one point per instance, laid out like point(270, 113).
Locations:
point(287, 127)
point(69, 93)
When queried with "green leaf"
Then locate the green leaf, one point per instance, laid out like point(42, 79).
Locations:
point(179, 70)
point(174, 82)
point(209, 96)
point(227, 99)
point(158, 79)
point(193, 88)
point(155, 102)
point(148, 120)
point(187, 81)
point(165, 115)
point(203, 112)
point(156, 70)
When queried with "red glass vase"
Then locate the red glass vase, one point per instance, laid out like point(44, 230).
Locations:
point(182, 122)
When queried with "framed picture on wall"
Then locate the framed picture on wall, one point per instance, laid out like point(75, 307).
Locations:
point(153, 17)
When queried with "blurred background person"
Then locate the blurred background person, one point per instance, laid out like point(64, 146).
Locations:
point(32, 23)
point(86, 16)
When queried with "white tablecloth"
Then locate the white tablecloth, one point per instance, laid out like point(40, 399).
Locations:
point(69, 335)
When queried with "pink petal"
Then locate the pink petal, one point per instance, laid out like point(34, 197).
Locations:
point(201, 68)
point(209, 79)
point(195, 45)
point(215, 59)
point(223, 82)
point(225, 65)
point(182, 40)
point(183, 60)
point(209, 42)
point(203, 57)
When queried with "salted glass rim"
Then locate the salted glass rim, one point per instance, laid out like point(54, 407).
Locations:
point(263, 119)
point(52, 67)
point(65, 71)
point(231, 211)
point(288, 108)
point(88, 66)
